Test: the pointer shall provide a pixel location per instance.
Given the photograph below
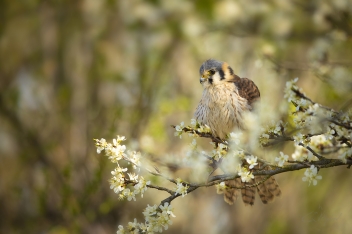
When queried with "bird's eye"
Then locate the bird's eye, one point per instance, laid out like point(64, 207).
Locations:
point(211, 72)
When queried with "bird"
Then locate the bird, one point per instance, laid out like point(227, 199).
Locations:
point(225, 100)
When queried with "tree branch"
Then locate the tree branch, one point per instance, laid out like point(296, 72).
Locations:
point(326, 163)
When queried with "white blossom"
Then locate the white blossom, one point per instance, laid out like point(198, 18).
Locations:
point(130, 195)
point(330, 133)
point(163, 221)
point(313, 109)
point(121, 230)
point(289, 94)
point(143, 227)
point(117, 182)
point(133, 177)
point(133, 226)
point(115, 153)
point(179, 129)
point(135, 158)
point(119, 139)
point(264, 138)
point(299, 119)
point(252, 161)
point(118, 170)
point(167, 208)
point(341, 131)
point(302, 103)
point(281, 159)
point(274, 128)
point(100, 144)
point(299, 138)
point(310, 175)
point(220, 151)
point(150, 212)
point(181, 189)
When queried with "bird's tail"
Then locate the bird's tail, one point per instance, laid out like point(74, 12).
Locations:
point(267, 189)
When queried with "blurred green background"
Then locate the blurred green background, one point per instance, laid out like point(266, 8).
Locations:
point(72, 71)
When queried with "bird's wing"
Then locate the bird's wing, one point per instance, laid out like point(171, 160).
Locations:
point(231, 194)
point(247, 89)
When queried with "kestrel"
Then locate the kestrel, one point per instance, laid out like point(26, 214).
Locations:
point(226, 97)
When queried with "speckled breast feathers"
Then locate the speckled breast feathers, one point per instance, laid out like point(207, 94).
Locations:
point(222, 108)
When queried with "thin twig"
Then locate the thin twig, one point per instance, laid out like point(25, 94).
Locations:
point(171, 192)
point(340, 124)
point(312, 151)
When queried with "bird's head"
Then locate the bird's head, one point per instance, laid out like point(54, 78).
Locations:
point(213, 72)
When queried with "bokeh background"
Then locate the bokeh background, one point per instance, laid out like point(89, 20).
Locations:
point(72, 71)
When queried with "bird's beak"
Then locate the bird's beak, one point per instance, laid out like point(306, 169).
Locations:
point(201, 80)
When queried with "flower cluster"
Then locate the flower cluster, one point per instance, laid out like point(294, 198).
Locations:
point(245, 174)
point(320, 143)
point(220, 151)
point(345, 153)
point(307, 114)
point(329, 131)
point(195, 126)
point(328, 127)
point(315, 117)
point(271, 131)
point(301, 138)
point(311, 117)
point(156, 218)
point(120, 178)
point(291, 86)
